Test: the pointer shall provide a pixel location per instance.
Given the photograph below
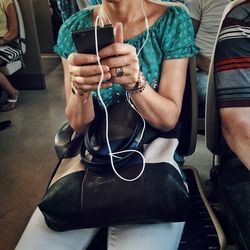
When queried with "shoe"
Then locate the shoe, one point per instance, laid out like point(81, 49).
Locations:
point(4, 125)
point(9, 104)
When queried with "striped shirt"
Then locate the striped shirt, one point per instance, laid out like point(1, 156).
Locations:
point(232, 59)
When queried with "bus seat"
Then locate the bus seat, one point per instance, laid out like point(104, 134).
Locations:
point(212, 121)
point(202, 230)
point(12, 67)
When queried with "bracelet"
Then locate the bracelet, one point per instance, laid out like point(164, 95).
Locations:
point(140, 85)
point(79, 92)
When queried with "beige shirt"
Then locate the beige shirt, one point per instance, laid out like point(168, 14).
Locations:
point(3, 18)
point(209, 14)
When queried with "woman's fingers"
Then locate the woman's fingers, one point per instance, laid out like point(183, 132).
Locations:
point(81, 59)
point(120, 61)
point(85, 75)
point(87, 70)
point(90, 79)
point(117, 49)
point(93, 86)
point(123, 71)
point(125, 80)
point(118, 33)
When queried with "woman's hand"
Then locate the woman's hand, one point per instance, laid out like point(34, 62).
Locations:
point(85, 73)
point(122, 60)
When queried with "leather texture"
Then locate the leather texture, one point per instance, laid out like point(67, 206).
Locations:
point(98, 198)
point(159, 195)
point(94, 199)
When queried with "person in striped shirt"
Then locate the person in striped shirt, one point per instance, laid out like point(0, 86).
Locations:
point(232, 90)
point(232, 80)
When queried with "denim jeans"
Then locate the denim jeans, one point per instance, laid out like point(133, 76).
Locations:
point(160, 236)
point(202, 79)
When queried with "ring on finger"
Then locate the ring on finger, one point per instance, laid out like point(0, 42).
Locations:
point(119, 71)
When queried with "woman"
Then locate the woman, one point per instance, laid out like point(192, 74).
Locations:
point(162, 62)
point(8, 32)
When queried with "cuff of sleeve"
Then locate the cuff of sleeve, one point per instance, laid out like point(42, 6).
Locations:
point(181, 53)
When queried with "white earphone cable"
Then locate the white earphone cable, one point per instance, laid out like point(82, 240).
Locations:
point(115, 154)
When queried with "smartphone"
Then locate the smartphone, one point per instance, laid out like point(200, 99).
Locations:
point(85, 39)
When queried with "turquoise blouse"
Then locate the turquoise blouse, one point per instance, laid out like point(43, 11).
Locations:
point(170, 37)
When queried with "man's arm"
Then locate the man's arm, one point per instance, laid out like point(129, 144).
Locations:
point(202, 62)
point(196, 24)
point(235, 123)
point(232, 83)
point(195, 11)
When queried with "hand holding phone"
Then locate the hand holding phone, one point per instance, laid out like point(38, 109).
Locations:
point(85, 39)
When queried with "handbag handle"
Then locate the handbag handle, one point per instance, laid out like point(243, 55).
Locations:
point(132, 143)
point(102, 161)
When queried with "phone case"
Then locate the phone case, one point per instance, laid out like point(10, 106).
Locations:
point(85, 39)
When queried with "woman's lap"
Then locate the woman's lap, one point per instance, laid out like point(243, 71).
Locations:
point(143, 236)
point(38, 236)
point(160, 236)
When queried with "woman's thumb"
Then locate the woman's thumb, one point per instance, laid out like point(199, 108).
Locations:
point(118, 32)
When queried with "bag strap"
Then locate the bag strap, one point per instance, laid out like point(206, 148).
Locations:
point(132, 142)
point(102, 161)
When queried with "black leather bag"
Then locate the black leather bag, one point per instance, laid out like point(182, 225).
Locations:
point(98, 198)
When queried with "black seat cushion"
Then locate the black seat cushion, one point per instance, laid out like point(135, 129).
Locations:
point(199, 231)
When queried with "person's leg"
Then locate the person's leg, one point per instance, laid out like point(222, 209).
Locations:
point(160, 236)
point(7, 86)
point(12, 93)
point(37, 236)
point(202, 78)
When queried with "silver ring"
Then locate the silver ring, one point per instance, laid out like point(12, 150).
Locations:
point(119, 71)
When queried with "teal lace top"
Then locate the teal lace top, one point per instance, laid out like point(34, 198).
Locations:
point(170, 37)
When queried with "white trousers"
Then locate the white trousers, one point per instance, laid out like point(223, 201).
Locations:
point(160, 236)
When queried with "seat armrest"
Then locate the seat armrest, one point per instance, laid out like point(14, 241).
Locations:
point(62, 139)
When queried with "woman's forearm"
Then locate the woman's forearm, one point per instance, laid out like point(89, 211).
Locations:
point(158, 111)
point(79, 114)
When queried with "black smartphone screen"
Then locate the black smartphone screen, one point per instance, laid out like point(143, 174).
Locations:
point(85, 39)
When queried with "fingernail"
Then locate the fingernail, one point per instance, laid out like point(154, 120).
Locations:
point(105, 68)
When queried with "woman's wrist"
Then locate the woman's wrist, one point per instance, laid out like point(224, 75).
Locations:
point(83, 95)
point(138, 86)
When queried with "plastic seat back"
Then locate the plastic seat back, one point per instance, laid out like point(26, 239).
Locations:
point(189, 113)
point(22, 36)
